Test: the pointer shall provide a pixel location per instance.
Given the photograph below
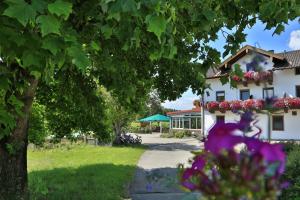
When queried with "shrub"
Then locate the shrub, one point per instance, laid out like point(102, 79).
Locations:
point(292, 173)
point(179, 134)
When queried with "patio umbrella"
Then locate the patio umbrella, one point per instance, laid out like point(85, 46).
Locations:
point(156, 118)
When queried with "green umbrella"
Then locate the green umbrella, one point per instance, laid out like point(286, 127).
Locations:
point(156, 118)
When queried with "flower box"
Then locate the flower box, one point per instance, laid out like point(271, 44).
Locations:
point(256, 77)
point(212, 106)
point(253, 104)
point(224, 106)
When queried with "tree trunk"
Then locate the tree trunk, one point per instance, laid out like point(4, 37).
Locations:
point(13, 153)
point(118, 132)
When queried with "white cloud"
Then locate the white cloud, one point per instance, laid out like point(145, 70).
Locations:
point(294, 42)
point(183, 103)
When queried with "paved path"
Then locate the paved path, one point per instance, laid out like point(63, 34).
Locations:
point(156, 176)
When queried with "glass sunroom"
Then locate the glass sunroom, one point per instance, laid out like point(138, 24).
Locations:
point(186, 119)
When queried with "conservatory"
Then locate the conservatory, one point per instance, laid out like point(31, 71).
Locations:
point(186, 119)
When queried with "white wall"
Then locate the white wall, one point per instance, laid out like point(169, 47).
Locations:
point(210, 120)
point(266, 64)
point(284, 81)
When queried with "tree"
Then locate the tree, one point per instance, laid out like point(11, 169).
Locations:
point(129, 46)
point(117, 116)
point(73, 104)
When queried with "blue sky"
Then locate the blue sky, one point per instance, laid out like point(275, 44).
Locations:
point(288, 40)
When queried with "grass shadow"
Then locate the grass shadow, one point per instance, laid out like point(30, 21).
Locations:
point(99, 181)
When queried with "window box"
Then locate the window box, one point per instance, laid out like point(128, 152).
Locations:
point(256, 77)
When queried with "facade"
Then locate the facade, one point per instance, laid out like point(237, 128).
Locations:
point(186, 119)
point(265, 75)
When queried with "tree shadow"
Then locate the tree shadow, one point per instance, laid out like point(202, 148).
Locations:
point(173, 146)
point(100, 181)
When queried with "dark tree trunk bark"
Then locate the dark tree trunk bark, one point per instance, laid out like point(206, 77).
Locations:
point(13, 163)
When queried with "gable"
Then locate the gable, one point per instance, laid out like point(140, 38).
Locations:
point(252, 61)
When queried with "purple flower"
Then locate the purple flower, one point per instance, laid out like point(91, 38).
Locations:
point(271, 153)
point(199, 163)
point(221, 137)
point(246, 119)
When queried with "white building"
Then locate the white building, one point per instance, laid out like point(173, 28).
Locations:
point(265, 74)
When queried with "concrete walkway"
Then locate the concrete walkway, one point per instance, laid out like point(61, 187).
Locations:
point(156, 176)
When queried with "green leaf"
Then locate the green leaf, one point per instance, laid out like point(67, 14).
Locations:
point(29, 59)
point(39, 5)
point(16, 103)
point(21, 11)
point(95, 46)
point(48, 24)
point(278, 29)
point(129, 6)
point(156, 24)
point(52, 44)
point(107, 31)
point(173, 52)
point(79, 58)
point(60, 8)
point(224, 79)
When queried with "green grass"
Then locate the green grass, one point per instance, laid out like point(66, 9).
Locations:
point(82, 172)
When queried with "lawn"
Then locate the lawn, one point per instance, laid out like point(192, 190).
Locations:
point(82, 172)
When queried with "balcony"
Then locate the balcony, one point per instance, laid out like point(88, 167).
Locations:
point(254, 77)
point(254, 104)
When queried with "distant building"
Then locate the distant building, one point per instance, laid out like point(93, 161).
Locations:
point(186, 119)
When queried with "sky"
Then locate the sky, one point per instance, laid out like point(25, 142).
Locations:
point(256, 36)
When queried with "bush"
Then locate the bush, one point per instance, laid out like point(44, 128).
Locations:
point(136, 128)
point(292, 174)
point(38, 130)
point(179, 134)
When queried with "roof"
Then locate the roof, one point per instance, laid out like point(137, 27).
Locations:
point(292, 58)
point(155, 118)
point(283, 60)
point(194, 110)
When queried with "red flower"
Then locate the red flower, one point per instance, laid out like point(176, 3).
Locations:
point(224, 106)
point(248, 104)
point(249, 75)
point(236, 105)
point(236, 78)
point(212, 106)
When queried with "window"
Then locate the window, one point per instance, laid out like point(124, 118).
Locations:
point(198, 123)
point(180, 123)
point(186, 123)
point(193, 123)
point(297, 90)
point(173, 122)
point(268, 92)
point(297, 71)
point(277, 124)
point(220, 96)
point(244, 94)
point(220, 118)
